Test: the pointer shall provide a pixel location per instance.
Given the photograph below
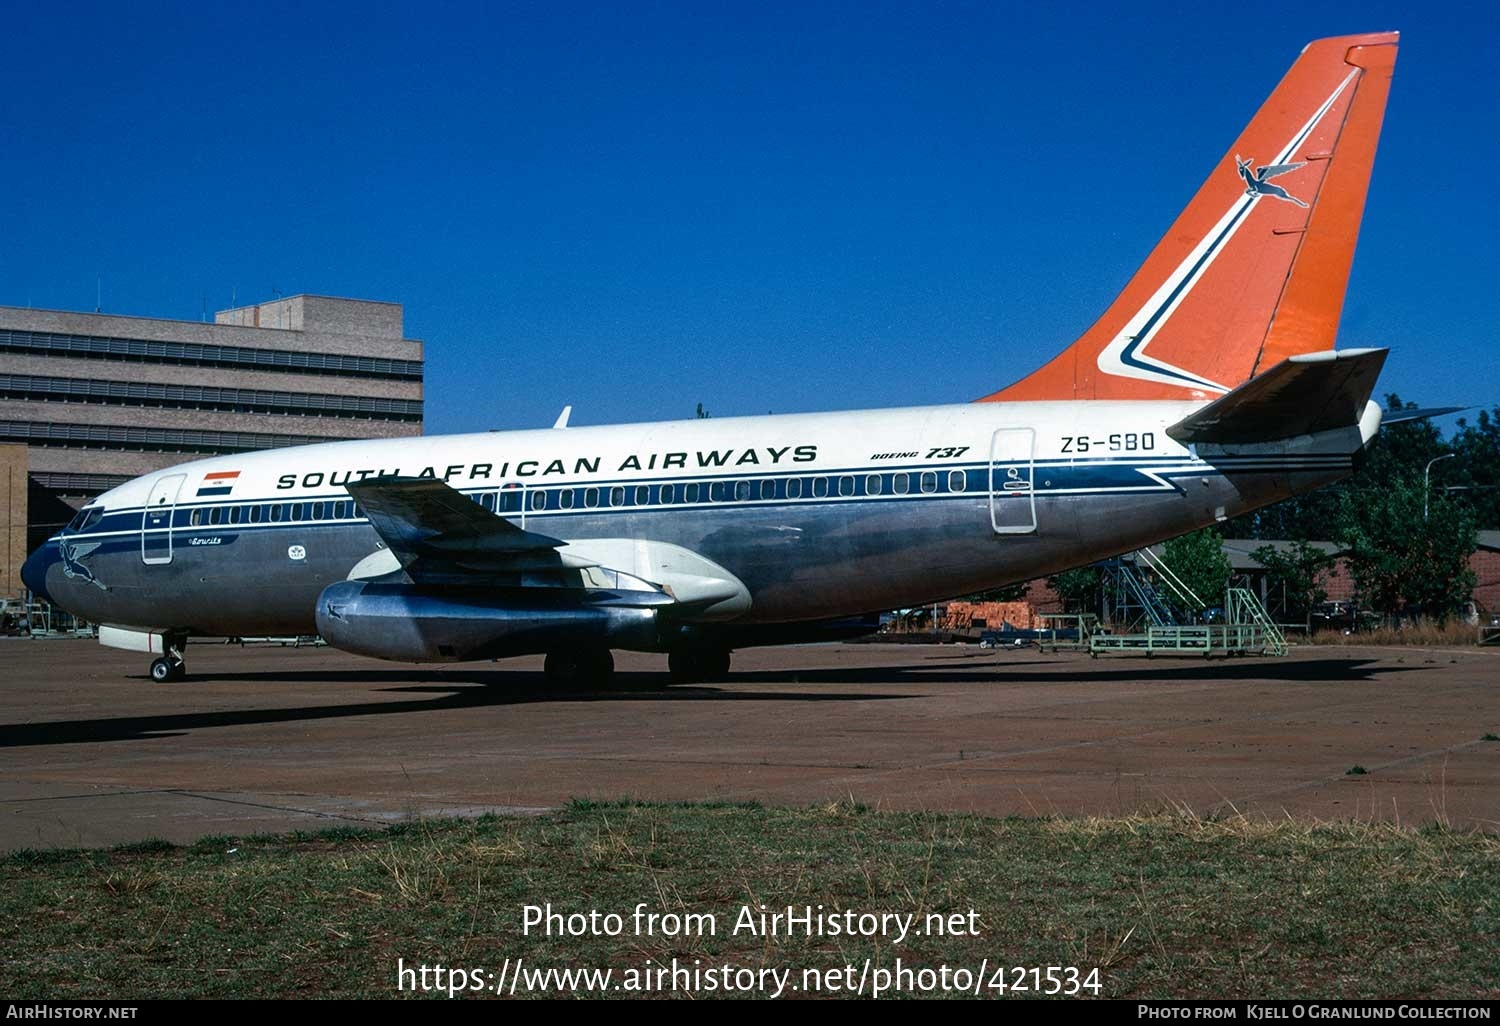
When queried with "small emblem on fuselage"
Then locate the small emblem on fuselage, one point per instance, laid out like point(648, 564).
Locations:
point(296, 552)
point(1257, 179)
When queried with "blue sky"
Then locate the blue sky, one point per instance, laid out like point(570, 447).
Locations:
point(635, 208)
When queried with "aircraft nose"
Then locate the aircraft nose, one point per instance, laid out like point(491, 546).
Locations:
point(34, 571)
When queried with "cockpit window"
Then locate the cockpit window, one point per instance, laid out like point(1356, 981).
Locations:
point(86, 518)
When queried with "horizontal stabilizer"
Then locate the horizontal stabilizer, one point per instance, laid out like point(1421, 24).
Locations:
point(1301, 395)
point(1403, 416)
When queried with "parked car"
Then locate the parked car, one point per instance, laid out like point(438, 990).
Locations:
point(1342, 616)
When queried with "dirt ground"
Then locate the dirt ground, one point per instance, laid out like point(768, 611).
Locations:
point(268, 738)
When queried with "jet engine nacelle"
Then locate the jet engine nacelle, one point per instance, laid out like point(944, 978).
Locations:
point(407, 623)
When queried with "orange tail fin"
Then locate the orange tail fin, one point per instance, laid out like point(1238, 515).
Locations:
point(1254, 270)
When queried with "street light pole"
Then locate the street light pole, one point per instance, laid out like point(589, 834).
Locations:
point(1427, 477)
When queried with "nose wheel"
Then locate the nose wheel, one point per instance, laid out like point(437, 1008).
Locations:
point(172, 666)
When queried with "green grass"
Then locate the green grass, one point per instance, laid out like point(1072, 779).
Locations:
point(1164, 906)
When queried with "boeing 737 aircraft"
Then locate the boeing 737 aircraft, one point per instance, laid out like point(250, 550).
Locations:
point(1210, 387)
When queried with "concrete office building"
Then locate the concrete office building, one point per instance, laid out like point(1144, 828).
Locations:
point(99, 399)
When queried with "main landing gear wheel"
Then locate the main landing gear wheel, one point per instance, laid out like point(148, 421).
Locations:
point(579, 668)
point(697, 665)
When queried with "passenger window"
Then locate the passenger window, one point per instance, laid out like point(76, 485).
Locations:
point(717, 492)
point(539, 499)
point(255, 514)
point(820, 487)
point(768, 489)
point(487, 500)
point(872, 484)
point(742, 491)
point(196, 518)
point(296, 511)
point(794, 488)
point(846, 485)
point(642, 495)
point(929, 481)
point(214, 515)
point(899, 484)
point(317, 511)
point(234, 514)
point(565, 498)
point(956, 481)
point(666, 494)
point(617, 496)
point(591, 497)
point(692, 492)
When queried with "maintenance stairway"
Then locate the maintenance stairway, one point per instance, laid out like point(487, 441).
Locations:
point(1245, 630)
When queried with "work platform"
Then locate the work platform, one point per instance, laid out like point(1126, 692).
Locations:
point(1245, 630)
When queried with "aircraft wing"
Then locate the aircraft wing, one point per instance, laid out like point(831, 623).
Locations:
point(433, 528)
point(441, 537)
point(1299, 396)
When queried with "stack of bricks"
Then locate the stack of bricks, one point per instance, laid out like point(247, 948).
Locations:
point(961, 615)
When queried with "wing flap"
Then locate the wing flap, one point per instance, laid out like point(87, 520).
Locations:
point(1301, 395)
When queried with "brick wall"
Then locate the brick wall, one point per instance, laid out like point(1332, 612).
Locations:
point(13, 512)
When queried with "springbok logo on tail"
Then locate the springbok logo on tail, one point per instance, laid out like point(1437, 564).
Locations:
point(1257, 179)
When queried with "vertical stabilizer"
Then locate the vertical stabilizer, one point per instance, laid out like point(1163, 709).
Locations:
point(1255, 269)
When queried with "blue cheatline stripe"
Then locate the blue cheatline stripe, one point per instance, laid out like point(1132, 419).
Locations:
point(1139, 463)
point(1101, 476)
point(215, 491)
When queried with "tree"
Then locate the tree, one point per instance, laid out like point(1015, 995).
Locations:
point(1078, 588)
point(1403, 564)
point(1005, 593)
point(1400, 449)
point(1300, 570)
point(702, 414)
point(1477, 468)
point(1199, 562)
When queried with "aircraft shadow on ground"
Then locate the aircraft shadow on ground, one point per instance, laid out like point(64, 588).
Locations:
point(469, 692)
point(1074, 672)
point(516, 687)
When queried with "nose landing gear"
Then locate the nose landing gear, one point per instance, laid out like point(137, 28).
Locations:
point(173, 665)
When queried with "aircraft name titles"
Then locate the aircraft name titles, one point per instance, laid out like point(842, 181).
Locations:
point(703, 459)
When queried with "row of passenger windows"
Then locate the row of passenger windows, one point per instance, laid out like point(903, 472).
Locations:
point(509, 500)
point(928, 482)
point(276, 512)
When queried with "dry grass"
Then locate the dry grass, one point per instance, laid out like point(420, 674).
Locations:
point(1450, 635)
point(1173, 905)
